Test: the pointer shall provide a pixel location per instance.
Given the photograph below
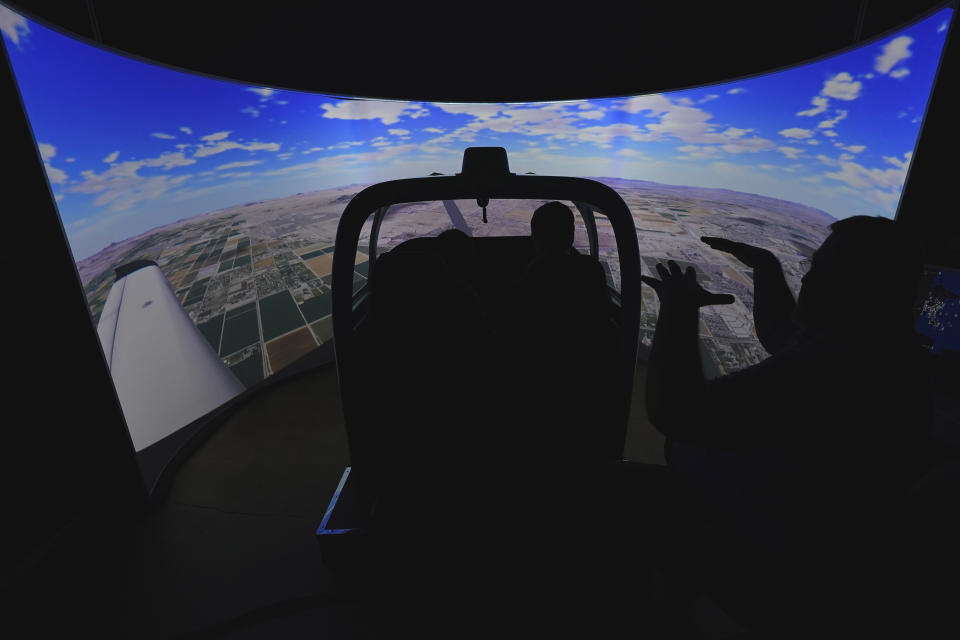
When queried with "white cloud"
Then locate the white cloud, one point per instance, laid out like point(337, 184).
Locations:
point(942, 27)
point(234, 165)
point(475, 110)
point(829, 124)
point(227, 145)
point(894, 52)
point(398, 132)
point(796, 133)
point(902, 72)
point(263, 92)
point(214, 137)
point(13, 25)
point(597, 114)
point(819, 106)
point(121, 186)
point(71, 160)
point(832, 134)
point(814, 141)
point(631, 153)
point(860, 177)
point(112, 157)
point(734, 132)
point(767, 167)
point(55, 175)
point(321, 166)
point(386, 112)
point(868, 76)
point(790, 152)
point(685, 101)
point(855, 148)
point(710, 97)
point(877, 185)
point(842, 87)
point(253, 111)
point(698, 152)
point(897, 162)
point(736, 90)
point(434, 130)
point(346, 144)
point(656, 103)
point(747, 144)
point(186, 130)
point(163, 136)
point(47, 150)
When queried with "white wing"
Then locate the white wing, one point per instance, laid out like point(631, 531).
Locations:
point(164, 370)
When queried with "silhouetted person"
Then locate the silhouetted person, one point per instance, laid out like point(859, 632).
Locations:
point(457, 250)
point(796, 456)
point(563, 340)
point(423, 361)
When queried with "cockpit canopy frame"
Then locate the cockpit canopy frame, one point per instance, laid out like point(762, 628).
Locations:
point(588, 194)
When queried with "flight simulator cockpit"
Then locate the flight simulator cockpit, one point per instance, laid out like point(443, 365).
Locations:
point(441, 402)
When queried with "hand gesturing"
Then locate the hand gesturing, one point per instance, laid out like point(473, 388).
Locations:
point(676, 287)
point(753, 257)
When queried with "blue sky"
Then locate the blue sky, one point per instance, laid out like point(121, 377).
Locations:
point(129, 146)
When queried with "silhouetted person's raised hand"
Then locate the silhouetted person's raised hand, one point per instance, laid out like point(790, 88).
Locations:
point(753, 257)
point(773, 302)
point(676, 288)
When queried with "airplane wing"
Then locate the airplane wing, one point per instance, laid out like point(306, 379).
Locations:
point(165, 372)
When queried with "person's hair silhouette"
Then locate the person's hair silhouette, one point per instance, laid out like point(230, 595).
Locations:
point(552, 229)
point(457, 250)
point(862, 281)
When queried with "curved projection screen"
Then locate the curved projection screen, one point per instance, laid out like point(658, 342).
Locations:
point(229, 195)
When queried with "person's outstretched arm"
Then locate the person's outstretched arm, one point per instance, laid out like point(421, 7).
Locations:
point(675, 383)
point(773, 301)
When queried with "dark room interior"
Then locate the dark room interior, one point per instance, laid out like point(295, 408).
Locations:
point(223, 544)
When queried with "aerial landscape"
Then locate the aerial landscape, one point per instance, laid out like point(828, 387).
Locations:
point(255, 278)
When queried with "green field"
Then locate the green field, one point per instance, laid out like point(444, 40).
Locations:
point(323, 329)
point(240, 329)
point(318, 307)
point(249, 371)
point(212, 330)
point(313, 254)
point(196, 292)
point(279, 314)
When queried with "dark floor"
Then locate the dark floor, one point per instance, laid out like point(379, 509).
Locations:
point(232, 552)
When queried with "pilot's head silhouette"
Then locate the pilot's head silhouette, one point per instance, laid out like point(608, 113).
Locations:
point(456, 248)
point(862, 280)
point(552, 229)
